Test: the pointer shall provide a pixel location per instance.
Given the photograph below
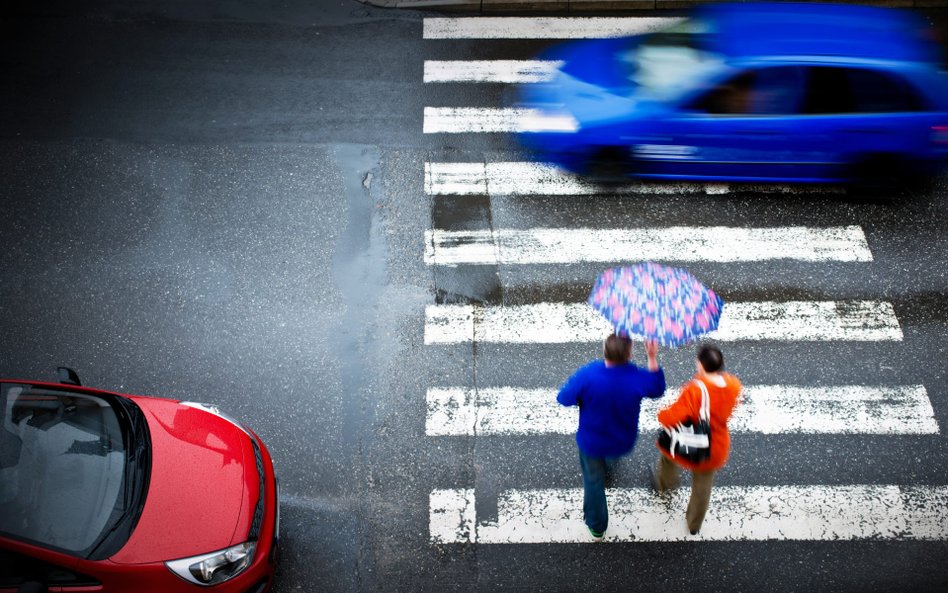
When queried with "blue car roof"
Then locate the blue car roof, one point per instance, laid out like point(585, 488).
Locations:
point(812, 29)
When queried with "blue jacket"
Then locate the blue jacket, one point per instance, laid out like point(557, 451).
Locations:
point(608, 400)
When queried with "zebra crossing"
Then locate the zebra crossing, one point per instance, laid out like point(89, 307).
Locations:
point(678, 243)
point(560, 323)
point(750, 513)
point(539, 179)
point(505, 71)
point(740, 514)
point(541, 27)
point(766, 409)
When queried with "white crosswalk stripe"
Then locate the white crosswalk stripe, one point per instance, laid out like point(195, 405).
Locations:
point(541, 27)
point(559, 323)
point(681, 244)
point(756, 513)
point(543, 179)
point(767, 409)
point(503, 71)
point(458, 120)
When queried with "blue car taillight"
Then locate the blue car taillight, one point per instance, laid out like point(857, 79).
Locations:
point(940, 135)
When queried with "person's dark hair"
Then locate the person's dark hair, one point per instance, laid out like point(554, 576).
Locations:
point(710, 358)
point(617, 349)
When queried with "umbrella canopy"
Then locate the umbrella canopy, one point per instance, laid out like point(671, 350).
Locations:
point(656, 302)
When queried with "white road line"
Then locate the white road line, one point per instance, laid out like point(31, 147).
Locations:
point(504, 71)
point(683, 244)
point(460, 120)
point(527, 179)
point(451, 516)
point(543, 179)
point(757, 513)
point(541, 27)
point(767, 409)
point(559, 323)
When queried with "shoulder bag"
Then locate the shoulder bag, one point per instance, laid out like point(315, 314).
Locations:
point(690, 440)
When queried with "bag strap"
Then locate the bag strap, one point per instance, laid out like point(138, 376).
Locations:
point(704, 412)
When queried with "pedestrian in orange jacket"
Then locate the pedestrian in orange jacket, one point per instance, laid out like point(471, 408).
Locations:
point(724, 393)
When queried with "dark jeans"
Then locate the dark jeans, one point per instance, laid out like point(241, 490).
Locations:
point(595, 511)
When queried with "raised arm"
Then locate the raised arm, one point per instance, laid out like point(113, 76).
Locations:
point(655, 378)
point(651, 351)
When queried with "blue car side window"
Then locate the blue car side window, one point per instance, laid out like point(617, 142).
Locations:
point(880, 92)
point(777, 91)
point(827, 92)
point(767, 91)
point(838, 90)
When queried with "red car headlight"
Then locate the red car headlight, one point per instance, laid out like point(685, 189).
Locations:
point(216, 567)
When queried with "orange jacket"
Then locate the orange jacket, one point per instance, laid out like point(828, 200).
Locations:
point(723, 401)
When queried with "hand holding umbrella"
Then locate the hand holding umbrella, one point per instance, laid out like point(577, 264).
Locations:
point(651, 352)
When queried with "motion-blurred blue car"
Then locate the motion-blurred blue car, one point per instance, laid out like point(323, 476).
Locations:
point(749, 92)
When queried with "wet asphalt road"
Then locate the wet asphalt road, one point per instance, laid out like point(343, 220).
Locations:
point(225, 203)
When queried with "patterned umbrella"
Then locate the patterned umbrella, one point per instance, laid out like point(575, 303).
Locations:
point(656, 302)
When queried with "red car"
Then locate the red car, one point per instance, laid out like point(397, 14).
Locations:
point(107, 492)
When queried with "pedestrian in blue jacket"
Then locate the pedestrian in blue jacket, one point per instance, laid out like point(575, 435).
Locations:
point(609, 393)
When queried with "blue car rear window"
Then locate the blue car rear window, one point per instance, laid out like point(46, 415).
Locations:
point(857, 90)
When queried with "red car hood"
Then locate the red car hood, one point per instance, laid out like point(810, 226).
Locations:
point(202, 475)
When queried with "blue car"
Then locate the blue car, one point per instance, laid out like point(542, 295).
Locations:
point(817, 93)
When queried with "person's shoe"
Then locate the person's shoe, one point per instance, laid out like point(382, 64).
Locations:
point(596, 535)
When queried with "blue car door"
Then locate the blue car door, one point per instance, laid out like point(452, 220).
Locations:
point(742, 128)
point(861, 116)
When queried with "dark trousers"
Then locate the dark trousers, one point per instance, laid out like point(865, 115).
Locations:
point(669, 476)
point(595, 510)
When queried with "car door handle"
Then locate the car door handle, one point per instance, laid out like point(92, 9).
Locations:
point(758, 132)
point(863, 130)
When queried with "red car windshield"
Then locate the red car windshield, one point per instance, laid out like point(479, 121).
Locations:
point(65, 478)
